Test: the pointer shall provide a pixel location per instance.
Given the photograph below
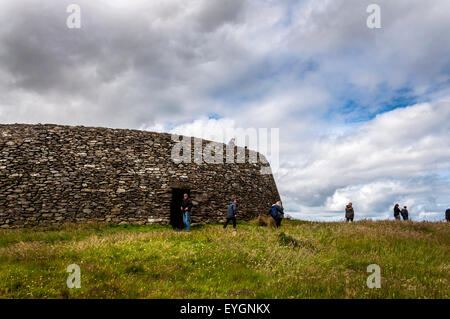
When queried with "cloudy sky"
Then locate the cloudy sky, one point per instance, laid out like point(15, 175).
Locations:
point(363, 114)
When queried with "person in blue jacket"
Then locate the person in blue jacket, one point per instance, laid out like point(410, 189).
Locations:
point(231, 213)
point(277, 213)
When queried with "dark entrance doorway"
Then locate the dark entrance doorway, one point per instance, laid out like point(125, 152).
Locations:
point(176, 216)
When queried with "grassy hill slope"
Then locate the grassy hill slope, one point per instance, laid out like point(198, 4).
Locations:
point(300, 260)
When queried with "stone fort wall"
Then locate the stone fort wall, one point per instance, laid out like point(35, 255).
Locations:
point(51, 174)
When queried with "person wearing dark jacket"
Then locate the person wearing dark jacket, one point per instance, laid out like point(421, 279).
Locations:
point(231, 214)
point(186, 207)
point(349, 212)
point(447, 215)
point(397, 211)
point(276, 211)
point(404, 213)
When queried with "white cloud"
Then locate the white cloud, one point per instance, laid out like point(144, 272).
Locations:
point(389, 159)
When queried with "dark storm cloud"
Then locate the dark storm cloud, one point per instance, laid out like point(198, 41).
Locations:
point(153, 61)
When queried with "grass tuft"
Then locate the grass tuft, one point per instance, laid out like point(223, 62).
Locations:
point(288, 240)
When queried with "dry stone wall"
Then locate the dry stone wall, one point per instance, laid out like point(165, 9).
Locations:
point(51, 174)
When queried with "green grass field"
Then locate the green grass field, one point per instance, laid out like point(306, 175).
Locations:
point(300, 260)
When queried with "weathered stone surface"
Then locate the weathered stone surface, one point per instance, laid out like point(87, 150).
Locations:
point(52, 174)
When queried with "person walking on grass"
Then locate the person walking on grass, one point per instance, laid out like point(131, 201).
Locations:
point(397, 212)
point(349, 212)
point(447, 215)
point(186, 207)
point(231, 213)
point(276, 211)
point(404, 213)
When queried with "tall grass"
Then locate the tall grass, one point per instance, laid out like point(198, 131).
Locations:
point(299, 260)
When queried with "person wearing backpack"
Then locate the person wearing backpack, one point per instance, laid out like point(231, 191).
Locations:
point(231, 213)
point(404, 213)
point(349, 212)
point(277, 213)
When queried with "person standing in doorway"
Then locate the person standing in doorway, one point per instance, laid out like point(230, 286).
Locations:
point(186, 207)
point(349, 212)
point(231, 213)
